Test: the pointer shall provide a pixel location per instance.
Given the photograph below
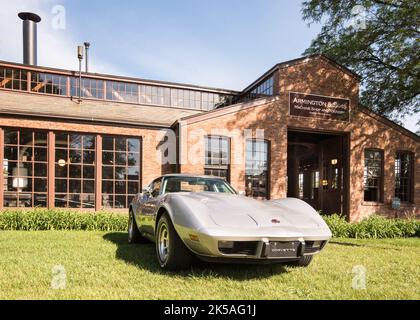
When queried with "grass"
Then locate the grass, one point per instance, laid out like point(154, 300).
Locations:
point(101, 265)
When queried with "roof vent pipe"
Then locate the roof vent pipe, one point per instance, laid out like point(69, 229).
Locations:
point(30, 21)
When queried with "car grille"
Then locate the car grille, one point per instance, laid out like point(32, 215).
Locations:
point(309, 246)
point(248, 248)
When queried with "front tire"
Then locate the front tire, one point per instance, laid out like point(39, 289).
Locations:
point(134, 235)
point(302, 262)
point(171, 252)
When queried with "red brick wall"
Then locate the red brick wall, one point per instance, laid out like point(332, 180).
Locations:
point(151, 139)
point(315, 76)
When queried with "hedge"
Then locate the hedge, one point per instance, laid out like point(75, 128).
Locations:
point(43, 219)
point(375, 227)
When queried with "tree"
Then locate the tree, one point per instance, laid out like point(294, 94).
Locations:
point(380, 41)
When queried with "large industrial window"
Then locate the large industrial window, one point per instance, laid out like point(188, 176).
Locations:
point(120, 91)
point(404, 176)
point(187, 99)
point(120, 171)
point(373, 175)
point(265, 88)
point(49, 83)
point(257, 169)
point(25, 168)
point(155, 95)
point(91, 88)
point(74, 170)
point(13, 79)
point(217, 155)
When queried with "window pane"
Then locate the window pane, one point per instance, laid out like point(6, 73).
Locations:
point(76, 170)
point(121, 159)
point(88, 172)
point(133, 145)
point(256, 175)
point(40, 154)
point(25, 138)
point(373, 186)
point(10, 136)
point(61, 185)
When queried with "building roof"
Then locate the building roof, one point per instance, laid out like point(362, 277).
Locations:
point(40, 105)
point(289, 63)
point(118, 78)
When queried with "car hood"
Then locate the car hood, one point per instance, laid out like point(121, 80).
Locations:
point(234, 211)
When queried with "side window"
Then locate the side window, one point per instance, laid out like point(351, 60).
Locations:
point(156, 188)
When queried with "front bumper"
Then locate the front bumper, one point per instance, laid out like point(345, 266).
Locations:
point(257, 247)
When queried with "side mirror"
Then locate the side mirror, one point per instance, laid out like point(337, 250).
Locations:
point(146, 192)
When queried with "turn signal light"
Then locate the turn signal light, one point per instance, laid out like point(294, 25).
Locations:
point(194, 237)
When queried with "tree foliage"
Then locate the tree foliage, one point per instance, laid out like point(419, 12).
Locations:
point(380, 41)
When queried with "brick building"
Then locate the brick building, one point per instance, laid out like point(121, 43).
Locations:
point(297, 131)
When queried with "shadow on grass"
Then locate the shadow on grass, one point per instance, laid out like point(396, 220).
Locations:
point(346, 244)
point(143, 256)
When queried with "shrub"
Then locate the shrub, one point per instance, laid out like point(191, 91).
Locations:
point(375, 227)
point(44, 219)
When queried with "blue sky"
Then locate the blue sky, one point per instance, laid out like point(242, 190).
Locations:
point(223, 43)
point(218, 43)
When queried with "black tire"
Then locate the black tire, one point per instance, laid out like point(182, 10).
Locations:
point(176, 256)
point(302, 262)
point(134, 235)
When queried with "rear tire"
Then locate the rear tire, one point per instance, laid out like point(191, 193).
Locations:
point(302, 262)
point(171, 252)
point(134, 235)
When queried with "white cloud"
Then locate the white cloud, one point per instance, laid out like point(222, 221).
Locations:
point(56, 47)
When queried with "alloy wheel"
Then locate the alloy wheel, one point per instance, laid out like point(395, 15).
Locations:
point(163, 245)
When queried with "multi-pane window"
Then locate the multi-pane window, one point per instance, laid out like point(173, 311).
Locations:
point(217, 156)
point(121, 91)
point(373, 175)
point(75, 170)
point(404, 176)
point(25, 168)
point(187, 99)
point(120, 171)
point(91, 88)
point(13, 79)
point(63, 85)
point(48, 83)
point(265, 88)
point(256, 169)
point(155, 95)
point(209, 100)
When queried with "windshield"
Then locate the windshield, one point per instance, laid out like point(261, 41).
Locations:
point(196, 184)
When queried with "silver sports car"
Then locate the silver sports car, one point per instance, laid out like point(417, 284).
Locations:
point(191, 216)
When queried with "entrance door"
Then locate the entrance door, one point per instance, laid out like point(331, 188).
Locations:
point(332, 175)
point(318, 169)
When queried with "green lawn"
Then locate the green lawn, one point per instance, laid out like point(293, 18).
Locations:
point(101, 265)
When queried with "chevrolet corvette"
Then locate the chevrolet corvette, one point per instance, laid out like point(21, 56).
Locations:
point(189, 216)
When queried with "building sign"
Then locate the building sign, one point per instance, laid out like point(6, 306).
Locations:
point(313, 106)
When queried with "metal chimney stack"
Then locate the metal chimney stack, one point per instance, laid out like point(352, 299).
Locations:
point(30, 21)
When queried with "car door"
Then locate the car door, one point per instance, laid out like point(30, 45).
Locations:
point(148, 206)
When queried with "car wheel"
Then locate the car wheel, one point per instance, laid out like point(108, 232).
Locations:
point(171, 252)
point(302, 262)
point(134, 235)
